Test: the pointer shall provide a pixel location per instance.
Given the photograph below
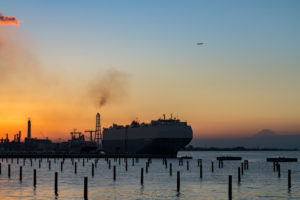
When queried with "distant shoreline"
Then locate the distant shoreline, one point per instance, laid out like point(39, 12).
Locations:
point(234, 149)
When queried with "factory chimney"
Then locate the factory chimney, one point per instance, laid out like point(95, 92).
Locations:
point(29, 130)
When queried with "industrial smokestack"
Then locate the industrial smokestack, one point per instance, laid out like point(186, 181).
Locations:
point(29, 130)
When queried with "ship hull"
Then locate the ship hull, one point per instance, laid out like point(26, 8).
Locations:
point(157, 140)
point(158, 146)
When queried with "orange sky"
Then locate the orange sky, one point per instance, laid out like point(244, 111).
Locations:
point(56, 70)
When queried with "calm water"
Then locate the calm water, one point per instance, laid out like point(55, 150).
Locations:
point(259, 182)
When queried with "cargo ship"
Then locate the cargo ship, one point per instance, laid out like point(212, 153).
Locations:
point(159, 137)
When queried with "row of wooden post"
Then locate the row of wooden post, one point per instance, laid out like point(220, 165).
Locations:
point(244, 165)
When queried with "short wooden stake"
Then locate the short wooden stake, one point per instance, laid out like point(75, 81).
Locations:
point(230, 187)
point(85, 188)
point(178, 181)
point(55, 183)
point(114, 173)
point(34, 177)
point(20, 178)
point(289, 179)
point(8, 170)
point(142, 176)
point(93, 166)
point(239, 175)
point(201, 170)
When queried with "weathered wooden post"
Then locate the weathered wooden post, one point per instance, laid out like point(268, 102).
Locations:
point(8, 170)
point(187, 165)
point(20, 178)
point(239, 175)
point(147, 167)
point(75, 168)
point(49, 164)
point(126, 165)
point(55, 183)
point(201, 170)
point(85, 188)
point(230, 187)
point(178, 181)
point(170, 169)
point(242, 168)
point(61, 166)
point(34, 177)
point(212, 166)
point(142, 176)
point(114, 172)
point(278, 169)
point(289, 179)
point(93, 169)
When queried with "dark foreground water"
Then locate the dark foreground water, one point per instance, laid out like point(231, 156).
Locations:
point(259, 182)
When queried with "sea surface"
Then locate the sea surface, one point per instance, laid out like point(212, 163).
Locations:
point(259, 182)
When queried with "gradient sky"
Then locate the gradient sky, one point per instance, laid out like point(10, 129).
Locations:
point(245, 77)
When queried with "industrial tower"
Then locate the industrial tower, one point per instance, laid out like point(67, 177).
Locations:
point(98, 134)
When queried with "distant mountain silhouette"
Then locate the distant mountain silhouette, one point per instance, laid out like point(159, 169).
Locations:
point(265, 132)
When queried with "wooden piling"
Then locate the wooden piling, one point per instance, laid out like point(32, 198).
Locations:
point(142, 176)
point(20, 178)
point(61, 166)
point(49, 164)
point(201, 170)
point(289, 179)
point(34, 178)
point(239, 175)
point(8, 170)
point(93, 166)
point(230, 187)
point(126, 166)
point(278, 169)
point(85, 188)
point(187, 165)
point(242, 168)
point(212, 166)
point(55, 183)
point(75, 167)
point(114, 172)
point(170, 169)
point(178, 181)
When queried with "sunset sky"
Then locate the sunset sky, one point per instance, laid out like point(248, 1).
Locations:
point(55, 64)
